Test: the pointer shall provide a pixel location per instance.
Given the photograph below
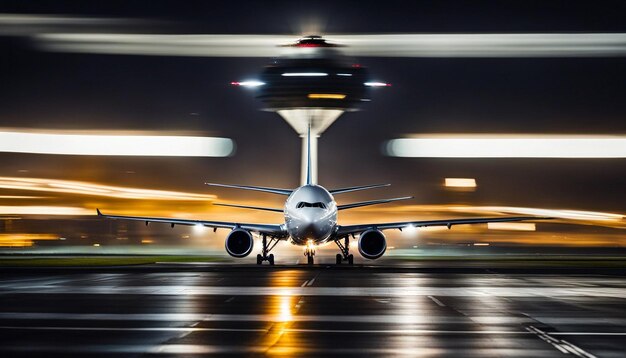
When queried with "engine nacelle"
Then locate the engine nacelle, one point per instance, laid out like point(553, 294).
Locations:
point(239, 243)
point(372, 244)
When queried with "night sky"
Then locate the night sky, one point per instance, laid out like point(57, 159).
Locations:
point(41, 90)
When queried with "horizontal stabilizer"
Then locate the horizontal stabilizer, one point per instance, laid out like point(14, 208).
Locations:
point(250, 207)
point(255, 188)
point(371, 202)
point(355, 188)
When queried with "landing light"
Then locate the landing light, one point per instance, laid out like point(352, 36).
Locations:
point(198, 228)
point(310, 244)
point(409, 231)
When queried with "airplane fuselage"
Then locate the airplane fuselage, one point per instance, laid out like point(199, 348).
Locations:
point(310, 214)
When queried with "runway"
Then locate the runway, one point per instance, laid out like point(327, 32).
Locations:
point(167, 310)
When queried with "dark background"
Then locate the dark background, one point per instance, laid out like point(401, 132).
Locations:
point(547, 95)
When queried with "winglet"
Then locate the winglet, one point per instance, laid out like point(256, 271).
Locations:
point(98, 211)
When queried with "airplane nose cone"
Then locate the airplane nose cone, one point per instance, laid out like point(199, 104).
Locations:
point(310, 226)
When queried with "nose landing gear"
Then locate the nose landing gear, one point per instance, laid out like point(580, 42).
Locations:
point(309, 252)
point(345, 254)
point(267, 247)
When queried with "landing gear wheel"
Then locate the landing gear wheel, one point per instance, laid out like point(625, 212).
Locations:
point(267, 247)
point(345, 251)
point(309, 259)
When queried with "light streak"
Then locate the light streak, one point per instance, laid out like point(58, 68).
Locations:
point(250, 83)
point(45, 210)
point(386, 45)
point(24, 240)
point(304, 74)
point(460, 182)
point(326, 96)
point(512, 226)
point(508, 146)
point(93, 189)
point(377, 84)
point(555, 213)
point(115, 145)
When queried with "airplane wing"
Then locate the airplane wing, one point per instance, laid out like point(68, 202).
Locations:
point(355, 188)
point(255, 188)
point(276, 210)
point(371, 202)
point(273, 230)
point(357, 229)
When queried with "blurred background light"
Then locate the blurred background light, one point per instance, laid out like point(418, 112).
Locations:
point(508, 146)
point(460, 182)
point(385, 45)
point(94, 189)
point(127, 145)
point(44, 210)
point(512, 226)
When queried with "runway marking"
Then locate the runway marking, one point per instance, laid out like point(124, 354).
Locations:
point(304, 283)
point(312, 280)
point(476, 291)
point(421, 316)
point(230, 299)
point(199, 349)
point(305, 330)
point(439, 303)
point(562, 345)
point(298, 305)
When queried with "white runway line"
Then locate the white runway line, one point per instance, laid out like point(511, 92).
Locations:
point(197, 349)
point(474, 291)
point(561, 345)
point(419, 317)
point(439, 303)
point(299, 330)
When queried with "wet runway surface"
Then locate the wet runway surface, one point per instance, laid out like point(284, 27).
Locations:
point(295, 311)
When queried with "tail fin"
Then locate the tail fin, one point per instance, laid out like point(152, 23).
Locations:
point(309, 180)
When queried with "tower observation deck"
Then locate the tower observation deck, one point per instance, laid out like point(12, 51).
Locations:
point(310, 85)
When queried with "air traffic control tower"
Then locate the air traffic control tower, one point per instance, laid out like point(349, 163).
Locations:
point(311, 84)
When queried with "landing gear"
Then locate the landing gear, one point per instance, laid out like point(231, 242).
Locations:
point(345, 254)
point(309, 252)
point(267, 247)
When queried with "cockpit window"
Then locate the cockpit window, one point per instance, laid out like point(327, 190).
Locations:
point(304, 204)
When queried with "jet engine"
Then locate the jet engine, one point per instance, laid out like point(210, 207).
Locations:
point(372, 244)
point(239, 243)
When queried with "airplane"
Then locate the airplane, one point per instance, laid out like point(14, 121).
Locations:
point(310, 213)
